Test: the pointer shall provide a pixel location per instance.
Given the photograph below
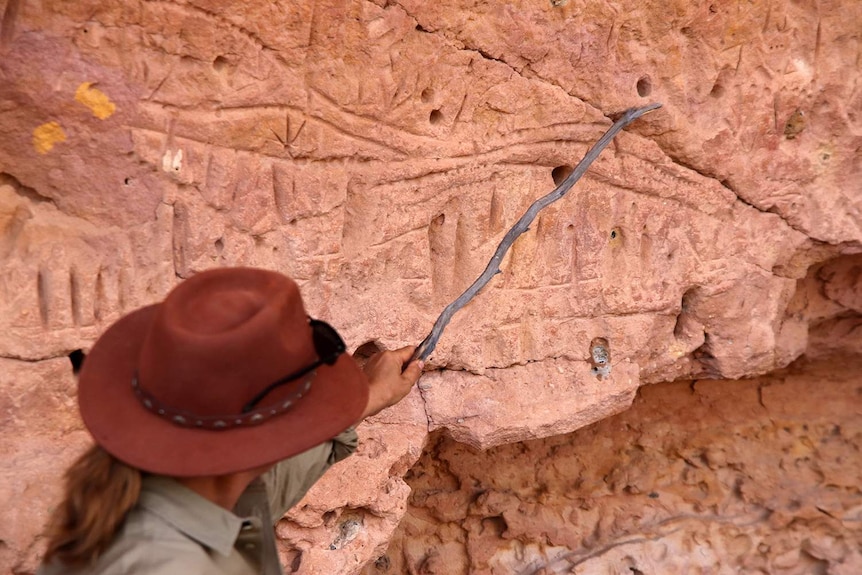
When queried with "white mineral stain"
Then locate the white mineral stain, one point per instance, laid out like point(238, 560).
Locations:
point(172, 162)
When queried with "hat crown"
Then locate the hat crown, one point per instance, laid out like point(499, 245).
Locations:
point(222, 310)
point(221, 337)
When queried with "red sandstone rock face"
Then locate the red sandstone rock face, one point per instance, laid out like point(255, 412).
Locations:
point(755, 476)
point(377, 152)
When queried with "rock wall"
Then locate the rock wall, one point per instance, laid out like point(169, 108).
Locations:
point(377, 152)
point(712, 477)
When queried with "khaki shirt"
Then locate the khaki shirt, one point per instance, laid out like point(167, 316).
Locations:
point(173, 530)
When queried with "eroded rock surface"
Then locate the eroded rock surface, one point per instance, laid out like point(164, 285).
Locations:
point(377, 152)
point(751, 476)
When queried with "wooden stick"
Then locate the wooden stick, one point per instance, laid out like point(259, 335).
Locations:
point(522, 225)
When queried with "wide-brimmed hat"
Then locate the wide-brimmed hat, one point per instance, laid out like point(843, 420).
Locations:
point(225, 375)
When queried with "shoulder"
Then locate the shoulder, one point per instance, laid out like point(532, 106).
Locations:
point(140, 560)
point(158, 560)
point(146, 545)
point(138, 553)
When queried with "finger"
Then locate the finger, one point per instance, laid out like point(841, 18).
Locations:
point(404, 354)
point(413, 371)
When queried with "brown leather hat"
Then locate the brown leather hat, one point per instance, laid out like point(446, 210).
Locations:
point(227, 374)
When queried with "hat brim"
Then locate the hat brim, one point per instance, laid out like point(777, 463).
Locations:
point(140, 438)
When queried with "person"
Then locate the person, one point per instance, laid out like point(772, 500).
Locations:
point(212, 413)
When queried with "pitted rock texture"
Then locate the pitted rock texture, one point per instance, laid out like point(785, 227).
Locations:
point(751, 476)
point(377, 152)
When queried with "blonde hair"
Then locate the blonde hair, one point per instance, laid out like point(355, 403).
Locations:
point(100, 491)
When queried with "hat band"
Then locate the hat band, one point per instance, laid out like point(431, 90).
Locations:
point(218, 422)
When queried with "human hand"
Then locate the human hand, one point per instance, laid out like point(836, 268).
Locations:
point(388, 384)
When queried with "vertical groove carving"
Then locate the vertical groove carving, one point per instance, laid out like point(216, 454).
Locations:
point(42, 286)
point(75, 296)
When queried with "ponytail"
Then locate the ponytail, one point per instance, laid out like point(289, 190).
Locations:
point(100, 491)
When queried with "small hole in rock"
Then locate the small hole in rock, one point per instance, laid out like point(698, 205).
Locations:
point(644, 86)
point(560, 173)
point(296, 563)
point(220, 63)
point(600, 352)
point(795, 124)
point(613, 234)
point(496, 525)
point(383, 563)
point(364, 352)
point(329, 517)
point(127, 181)
point(717, 90)
point(426, 95)
point(436, 117)
point(219, 245)
point(77, 358)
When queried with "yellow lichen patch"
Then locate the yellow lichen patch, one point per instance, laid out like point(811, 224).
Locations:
point(101, 106)
point(678, 349)
point(46, 135)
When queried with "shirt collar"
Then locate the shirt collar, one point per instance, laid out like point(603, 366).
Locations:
point(192, 514)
